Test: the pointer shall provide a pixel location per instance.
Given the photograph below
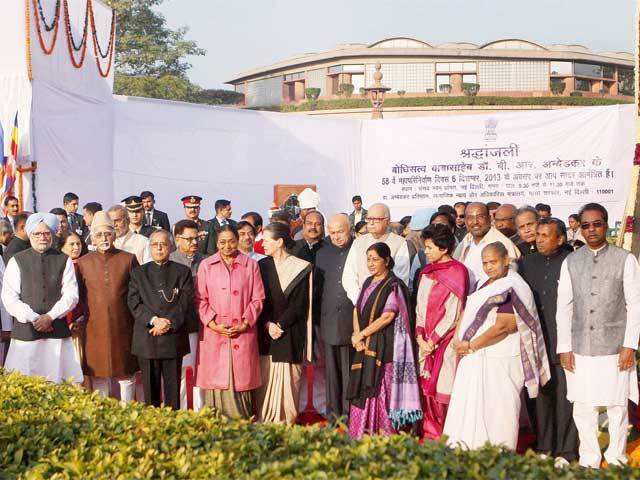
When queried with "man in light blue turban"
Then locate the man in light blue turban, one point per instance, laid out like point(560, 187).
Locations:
point(49, 219)
point(39, 288)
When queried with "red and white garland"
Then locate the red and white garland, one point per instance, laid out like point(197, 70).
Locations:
point(73, 48)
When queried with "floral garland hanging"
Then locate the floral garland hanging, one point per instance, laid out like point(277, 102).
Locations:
point(71, 44)
point(27, 19)
point(39, 14)
point(96, 44)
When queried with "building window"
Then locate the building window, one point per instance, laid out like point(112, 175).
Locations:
point(607, 71)
point(587, 70)
point(336, 69)
point(410, 77)
point(443, 83)
point(291, 77)
point(317, 79)
point(264, 92)
point(561, 68)
point(466, 67)
point(626, 81)
point(513, 76)
point(470, 78)
point(583, 85)
point(353, 68)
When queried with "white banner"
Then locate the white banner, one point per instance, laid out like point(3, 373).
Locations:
point(564, 158)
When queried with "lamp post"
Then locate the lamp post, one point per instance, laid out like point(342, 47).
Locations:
point(376, 93)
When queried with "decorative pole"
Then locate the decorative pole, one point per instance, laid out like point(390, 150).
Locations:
point(376, 93)
point(628, 235)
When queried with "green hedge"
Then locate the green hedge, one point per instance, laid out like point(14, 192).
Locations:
point(64, 432)
point(447, 101)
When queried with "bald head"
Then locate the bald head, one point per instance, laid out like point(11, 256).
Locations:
point(378, 218)
point(380, 210)
point(339, 230)
point(505, 219)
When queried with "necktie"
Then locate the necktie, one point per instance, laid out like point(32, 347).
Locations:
point(148, 218)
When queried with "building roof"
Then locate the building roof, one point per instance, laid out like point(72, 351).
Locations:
point(507, 48)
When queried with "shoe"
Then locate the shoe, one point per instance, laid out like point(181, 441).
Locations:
point(561, 462)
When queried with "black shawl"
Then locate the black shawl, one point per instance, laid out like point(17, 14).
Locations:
point(367, 366)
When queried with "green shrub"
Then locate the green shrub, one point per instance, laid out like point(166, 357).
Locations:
point(51, 431)
point(312, 94)
point(448, 101)
point(576, 94)
point(345, 89)
point(557, 86)
point(362, 91)
point(401, 92)
point(444, 88)
point(470, 89)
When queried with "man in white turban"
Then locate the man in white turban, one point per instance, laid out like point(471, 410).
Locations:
point(39, 288)
point(308, 201)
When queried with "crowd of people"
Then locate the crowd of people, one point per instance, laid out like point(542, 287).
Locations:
point(468, 322)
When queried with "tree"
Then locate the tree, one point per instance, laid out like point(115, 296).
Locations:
point(151, 58)
point(218, 97)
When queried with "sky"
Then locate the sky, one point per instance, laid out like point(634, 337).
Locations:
point(241, 35)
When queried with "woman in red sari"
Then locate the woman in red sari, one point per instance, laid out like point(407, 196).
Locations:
point(443, 289)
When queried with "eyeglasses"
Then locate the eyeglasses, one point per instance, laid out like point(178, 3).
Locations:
point(588, 225)
point(102, 234)
point(376, 219)
point(188, 239)
point(460, 216)
point(41, 234)
point(159, 245)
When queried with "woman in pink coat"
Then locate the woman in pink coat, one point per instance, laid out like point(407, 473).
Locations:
point(229, 297)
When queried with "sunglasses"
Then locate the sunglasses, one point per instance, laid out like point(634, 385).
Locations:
point(460, 216)
point(588, 225)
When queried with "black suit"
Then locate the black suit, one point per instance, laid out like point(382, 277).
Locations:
point(212, 240)
point(555, 429)
point(76, 223)
point(336, 326)
point(302, 250)
point(158, 219)
point(16, 245)
point(164, 291)
point(146, 230)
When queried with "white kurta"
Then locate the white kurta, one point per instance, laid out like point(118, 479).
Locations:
point(597, 381)
point(136, 244)
point(355, 267)
point(53, 358)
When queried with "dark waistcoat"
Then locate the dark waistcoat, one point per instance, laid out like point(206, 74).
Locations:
point(40, 288)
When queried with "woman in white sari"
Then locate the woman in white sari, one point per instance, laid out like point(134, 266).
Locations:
point(502, 349)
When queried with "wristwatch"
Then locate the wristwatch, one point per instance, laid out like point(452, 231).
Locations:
point(150, 324)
